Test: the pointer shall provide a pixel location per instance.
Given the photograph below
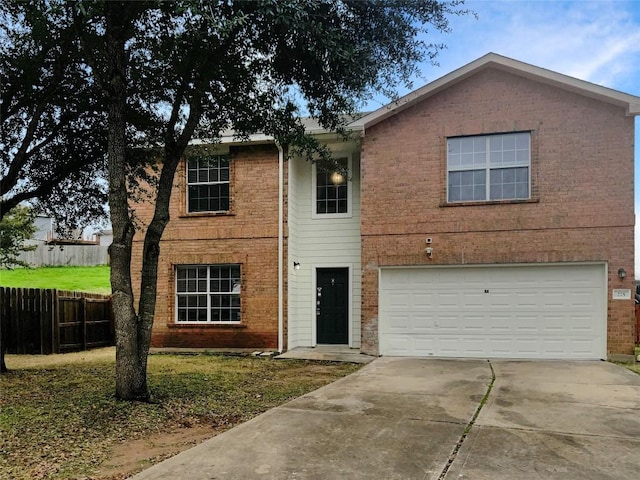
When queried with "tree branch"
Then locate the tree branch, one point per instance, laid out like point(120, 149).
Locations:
point(20, 159)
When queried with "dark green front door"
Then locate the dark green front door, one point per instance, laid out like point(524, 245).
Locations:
point(332, 305)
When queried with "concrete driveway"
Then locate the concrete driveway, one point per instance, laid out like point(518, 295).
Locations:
point(403, 418)
point(555, 420)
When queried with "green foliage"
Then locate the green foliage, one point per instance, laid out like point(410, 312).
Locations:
point(60, 420)
point(164, 73)
point(15, 227)
point(81, 279)
point(52, 122)
point(257, 65)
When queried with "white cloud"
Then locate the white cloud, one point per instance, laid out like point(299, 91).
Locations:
point(593, 41)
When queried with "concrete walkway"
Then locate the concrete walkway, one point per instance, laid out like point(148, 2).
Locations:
point(406, 419)
point(328, 353)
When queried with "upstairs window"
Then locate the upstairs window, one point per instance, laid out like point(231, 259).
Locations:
point(208, 293)
point(489, 167)
point(332, 187)
point(208, 184)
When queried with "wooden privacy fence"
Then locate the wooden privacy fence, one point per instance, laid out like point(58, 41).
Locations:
point(66, 255)
point(37, 321)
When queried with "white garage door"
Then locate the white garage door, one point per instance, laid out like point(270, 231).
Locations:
point(553, 312)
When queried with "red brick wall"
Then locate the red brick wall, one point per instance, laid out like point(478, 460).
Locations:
point(248, 236)
point(582, 189)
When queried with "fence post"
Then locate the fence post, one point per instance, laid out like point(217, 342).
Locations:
point(8, 324)
point(41, 322)
point(35, 295)
point(47, 321)
point(17, 321)
point(51, 311)
point(83, 321)
point(4, 317)
point(55, 313)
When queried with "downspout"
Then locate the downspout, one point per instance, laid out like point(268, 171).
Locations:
point(280, 247)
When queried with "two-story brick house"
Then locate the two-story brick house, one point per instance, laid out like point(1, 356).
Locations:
point(487, 214)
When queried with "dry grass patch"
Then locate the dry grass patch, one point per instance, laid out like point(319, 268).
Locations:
point(59, 418)
point(634, 367)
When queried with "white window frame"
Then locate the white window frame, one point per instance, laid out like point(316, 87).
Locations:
point(227, 182)
point(314, 189)
point(209, 294)
point(488, 168)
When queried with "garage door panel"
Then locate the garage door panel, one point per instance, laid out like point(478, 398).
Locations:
point(582, 346)
point(450, 346)
point(424, 345)
point(399, 323)
point(500, 300)
point(582, 330)
point(446, 323)
point(448, 299)
point(399, 300)
point(500, 324)
point(422, 299)
point(581, 299)
point(512, 311)
point(525, 324)
point(500, 346)
point(527, 299)
point(402, 345)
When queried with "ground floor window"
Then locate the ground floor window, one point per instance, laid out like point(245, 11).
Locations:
point(208, 293)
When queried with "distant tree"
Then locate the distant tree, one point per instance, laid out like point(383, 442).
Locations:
point(16, 227)
point(52, 122)
point(172, 71)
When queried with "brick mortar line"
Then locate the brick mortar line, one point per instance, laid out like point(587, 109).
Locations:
point(456, 449)
point(267, 237)
point(517, 230)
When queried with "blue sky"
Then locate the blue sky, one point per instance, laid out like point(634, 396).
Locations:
point(593, 40)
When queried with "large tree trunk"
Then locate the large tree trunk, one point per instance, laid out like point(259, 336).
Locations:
point(133, 329)
point(131, 345)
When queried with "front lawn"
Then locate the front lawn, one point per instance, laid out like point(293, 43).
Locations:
point(82, 279)
point(59, 418)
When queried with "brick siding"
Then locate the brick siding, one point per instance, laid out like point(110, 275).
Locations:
point(582, 189)
point(247, 236)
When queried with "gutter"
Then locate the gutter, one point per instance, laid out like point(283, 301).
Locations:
point(280, 247)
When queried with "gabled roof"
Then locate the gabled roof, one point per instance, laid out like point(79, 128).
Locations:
point(493, 60)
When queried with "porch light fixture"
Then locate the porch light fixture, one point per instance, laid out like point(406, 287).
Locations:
point(621, 273)
point(337, 178)
point(296, 265)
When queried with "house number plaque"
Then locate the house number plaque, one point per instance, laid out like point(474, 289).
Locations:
point(621, 294)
